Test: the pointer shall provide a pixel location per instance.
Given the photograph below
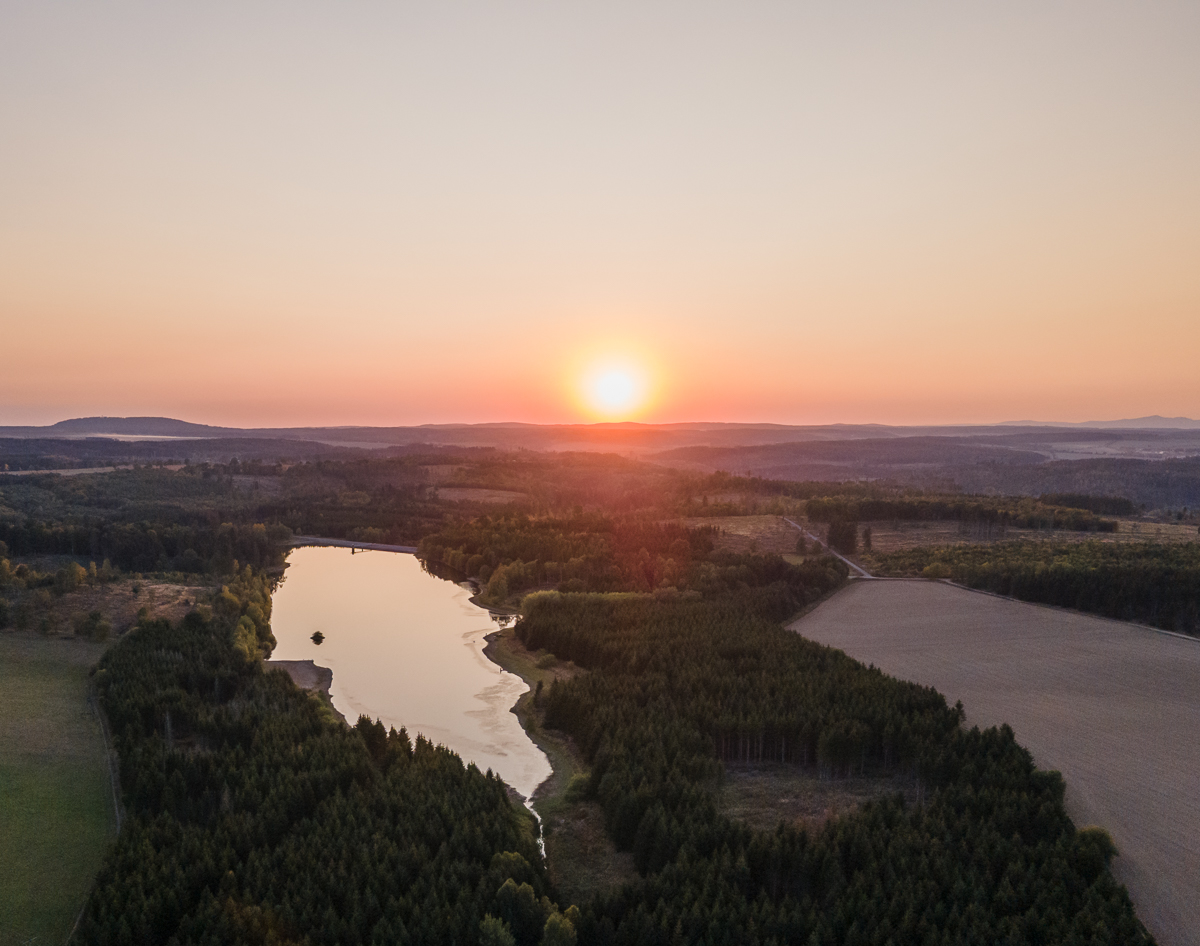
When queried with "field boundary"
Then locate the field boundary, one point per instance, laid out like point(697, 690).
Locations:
point(1055, 607)
point(1003, 598)
point(114, 776)
point(1108, 705)
point(114, 783)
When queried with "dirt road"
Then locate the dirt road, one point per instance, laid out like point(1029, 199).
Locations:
point(1114, 707)
point(856, 570)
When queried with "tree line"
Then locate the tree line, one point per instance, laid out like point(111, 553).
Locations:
point(1151, 582)
point(511, 554)
point(150, 546)
point(1009, 512)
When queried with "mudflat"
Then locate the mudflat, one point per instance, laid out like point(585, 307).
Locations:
point(1115, 707)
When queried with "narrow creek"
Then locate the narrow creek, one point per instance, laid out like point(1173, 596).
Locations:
point(406, 647)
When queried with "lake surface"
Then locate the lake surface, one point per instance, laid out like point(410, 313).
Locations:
point(407, 648)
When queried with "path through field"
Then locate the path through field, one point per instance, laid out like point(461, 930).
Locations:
point(1113, 706)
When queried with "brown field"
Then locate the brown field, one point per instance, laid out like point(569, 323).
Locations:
point(1115, 707)
point(749, 533)
point(892, 536)
point(440, 472)
point(764, 795)
point(769, 533)
point(118, 602)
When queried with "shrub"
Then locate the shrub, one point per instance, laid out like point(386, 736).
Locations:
point(91, 626)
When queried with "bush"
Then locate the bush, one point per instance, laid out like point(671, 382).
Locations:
point(91, 626)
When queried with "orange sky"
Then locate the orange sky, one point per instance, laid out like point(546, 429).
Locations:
point(254, 214)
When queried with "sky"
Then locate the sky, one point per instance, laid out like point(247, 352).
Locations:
point(399, 213)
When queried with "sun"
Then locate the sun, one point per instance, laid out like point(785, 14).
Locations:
point(614, 391)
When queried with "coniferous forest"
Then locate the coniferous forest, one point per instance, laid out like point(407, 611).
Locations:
point(1153, 583)
point(253, 815)
point(988, 857)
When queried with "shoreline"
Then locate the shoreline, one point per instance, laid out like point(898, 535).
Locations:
point(581, 860)
point(504, 649)
point(548, 800)
point(311, 678)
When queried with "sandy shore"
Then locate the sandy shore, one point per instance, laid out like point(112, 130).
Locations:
point(304, 673)
point(308, 676)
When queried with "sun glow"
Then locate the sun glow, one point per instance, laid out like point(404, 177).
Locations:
point(614, 392)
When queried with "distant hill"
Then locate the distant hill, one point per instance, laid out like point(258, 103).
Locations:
point(31, 453)
point(779, 450)
point(128, 426)
point(622, 437)
point(1147, 460)
point(1153, 422)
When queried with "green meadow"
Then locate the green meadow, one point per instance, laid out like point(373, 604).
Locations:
point(56, 804)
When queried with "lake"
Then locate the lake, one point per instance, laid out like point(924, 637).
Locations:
point(406, 647)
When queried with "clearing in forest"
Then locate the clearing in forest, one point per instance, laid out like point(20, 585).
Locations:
point(56, 802)
point(748, 533)
point(893, 535)
point(1115, 707)
point(765, 794)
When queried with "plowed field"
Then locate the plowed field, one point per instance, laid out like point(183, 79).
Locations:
point(1114, 707)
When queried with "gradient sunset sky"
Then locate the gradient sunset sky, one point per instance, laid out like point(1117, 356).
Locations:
point(395, 213)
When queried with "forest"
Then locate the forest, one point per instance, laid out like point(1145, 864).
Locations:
point(676, 687)
point(1153, 583)
point(254, 816)
point(512, 554)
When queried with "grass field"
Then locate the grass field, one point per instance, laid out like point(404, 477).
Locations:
point(1114, 707)
point(56, 802)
